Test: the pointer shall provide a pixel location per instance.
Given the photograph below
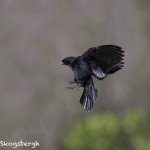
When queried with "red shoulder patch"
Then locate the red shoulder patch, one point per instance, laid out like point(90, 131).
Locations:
point(85, 50)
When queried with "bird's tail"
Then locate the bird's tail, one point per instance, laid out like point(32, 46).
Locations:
point(88, 97)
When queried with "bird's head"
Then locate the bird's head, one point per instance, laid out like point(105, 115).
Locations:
point(67, 61)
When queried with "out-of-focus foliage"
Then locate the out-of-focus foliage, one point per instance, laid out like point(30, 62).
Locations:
point(110, 132)
point(136, 125)
point(94, 133)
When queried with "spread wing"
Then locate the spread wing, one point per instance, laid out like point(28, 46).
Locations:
point(104, 60)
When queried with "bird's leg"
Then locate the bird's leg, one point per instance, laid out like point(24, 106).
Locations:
point(70, 88)
point(74, 87)
point(71, 82)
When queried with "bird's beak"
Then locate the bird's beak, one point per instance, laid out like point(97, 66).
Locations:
point(61, 63)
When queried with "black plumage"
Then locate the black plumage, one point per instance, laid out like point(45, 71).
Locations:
point(98, 62)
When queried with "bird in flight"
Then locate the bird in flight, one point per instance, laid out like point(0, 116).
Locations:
point(97, 61)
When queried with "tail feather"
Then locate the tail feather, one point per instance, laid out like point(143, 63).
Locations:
point(88, 97)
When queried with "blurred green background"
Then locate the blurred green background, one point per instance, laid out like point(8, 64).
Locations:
point(34, 104)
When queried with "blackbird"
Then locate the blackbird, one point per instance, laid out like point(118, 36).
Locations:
point(97, 61)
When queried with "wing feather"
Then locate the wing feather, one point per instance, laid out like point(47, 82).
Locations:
point(104, 60)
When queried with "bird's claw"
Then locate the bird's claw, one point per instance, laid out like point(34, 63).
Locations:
point(72, 88)
point(71, 82)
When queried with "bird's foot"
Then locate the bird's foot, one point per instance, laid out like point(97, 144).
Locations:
point(72, 88)
point(71, 82)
